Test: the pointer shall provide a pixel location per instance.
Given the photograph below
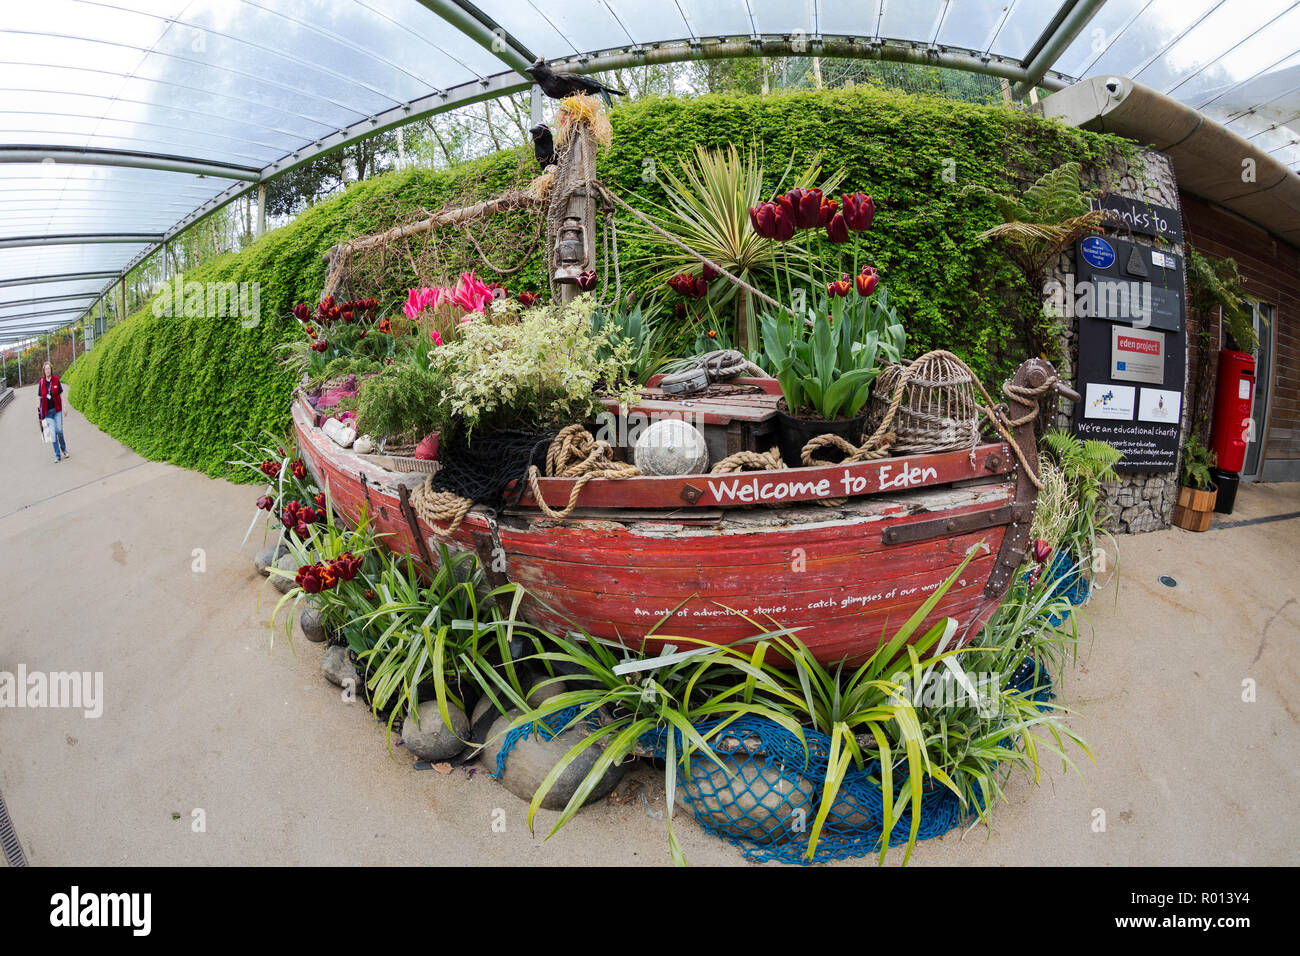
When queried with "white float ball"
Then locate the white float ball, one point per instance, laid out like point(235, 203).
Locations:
point(671, 447)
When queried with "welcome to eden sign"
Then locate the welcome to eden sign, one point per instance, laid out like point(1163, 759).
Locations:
point(756, 490)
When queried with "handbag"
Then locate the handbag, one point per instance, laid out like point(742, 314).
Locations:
point(47, 430)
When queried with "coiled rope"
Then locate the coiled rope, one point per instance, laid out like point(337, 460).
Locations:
point(575, 454)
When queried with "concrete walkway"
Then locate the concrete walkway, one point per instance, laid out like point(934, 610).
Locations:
point(97, 559)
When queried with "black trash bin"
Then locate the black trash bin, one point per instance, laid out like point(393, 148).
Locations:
point(1227, 482)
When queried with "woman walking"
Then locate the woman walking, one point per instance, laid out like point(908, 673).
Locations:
point(49, 394)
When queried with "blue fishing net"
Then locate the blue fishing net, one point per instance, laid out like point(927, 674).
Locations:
point(1066, 580)
point(763, 793)
point(547, 729)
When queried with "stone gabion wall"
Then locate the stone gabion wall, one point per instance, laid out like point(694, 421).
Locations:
point(1138, 502)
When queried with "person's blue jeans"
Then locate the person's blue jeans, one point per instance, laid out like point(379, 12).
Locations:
point(57, 419)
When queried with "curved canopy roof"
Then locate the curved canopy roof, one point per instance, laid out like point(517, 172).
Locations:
point(124, 121)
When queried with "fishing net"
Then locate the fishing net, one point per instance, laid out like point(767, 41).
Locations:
point(483, 469)
point(763, 793)
point(548, 729)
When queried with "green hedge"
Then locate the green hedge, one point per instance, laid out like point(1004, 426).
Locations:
point(186, 389)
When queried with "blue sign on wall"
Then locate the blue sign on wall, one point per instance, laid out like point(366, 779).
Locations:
point(1097, 252)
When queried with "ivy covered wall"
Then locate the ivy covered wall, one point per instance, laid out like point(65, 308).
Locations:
point(186, 388)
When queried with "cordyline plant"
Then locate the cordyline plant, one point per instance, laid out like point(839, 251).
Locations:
point(707, 207)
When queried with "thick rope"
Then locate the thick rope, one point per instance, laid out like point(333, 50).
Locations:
point(575, 454)
point(437, 507)
point(749, 460)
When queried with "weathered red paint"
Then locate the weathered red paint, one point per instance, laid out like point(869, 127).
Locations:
point(823, 571)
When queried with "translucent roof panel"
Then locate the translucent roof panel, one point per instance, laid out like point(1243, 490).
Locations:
point(148, 108)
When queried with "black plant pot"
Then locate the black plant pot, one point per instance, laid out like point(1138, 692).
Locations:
point(793, 433)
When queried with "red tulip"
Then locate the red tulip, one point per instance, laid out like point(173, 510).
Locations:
point(307, 516)
point(837, 229)
point(839, 289)
point(586, 280)
point(303, 529)
point(327, 575)
point(385, 326)
point(689, 286)
point(708, 273)
point(320, 346)
point(712, 333)
point(527, 299)
point(763, 218)
point(299, 469)
point(346, 566)
point(270, 468)
point(265, 503)
point(301, 312)
point(320, 500)
point(828, 209)
point(867, 281)
point(308, 579)
point(807, 205)
point(859, 210)
point(786, 222)
point(1042, 550)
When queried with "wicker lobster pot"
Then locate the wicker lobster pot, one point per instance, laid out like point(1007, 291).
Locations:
point(937, 410)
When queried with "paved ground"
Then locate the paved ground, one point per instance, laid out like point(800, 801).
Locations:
point(97, 563)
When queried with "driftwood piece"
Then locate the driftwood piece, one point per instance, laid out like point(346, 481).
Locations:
point(338, 259)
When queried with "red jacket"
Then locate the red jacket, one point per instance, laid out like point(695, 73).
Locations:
point(50, 396)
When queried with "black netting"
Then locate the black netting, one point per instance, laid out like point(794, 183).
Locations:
point(483, 468)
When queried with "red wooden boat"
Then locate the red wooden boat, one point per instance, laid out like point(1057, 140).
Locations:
point(704, 557)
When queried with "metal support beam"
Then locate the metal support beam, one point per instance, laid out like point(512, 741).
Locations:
point(120, 157)
point(47, 299)
point(535, 113)
point(18, 242)
point(483, 30)
point(66, 277)
point(261, 209)
point(29, 315)
point(1060, 33)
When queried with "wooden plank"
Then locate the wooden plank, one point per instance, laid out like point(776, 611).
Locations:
point(784, 486)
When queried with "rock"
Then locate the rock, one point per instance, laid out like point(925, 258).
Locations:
point(345, 436)
point(364, 445)
point(338, 669)
point(533, 758)
point(748, 798)
point(313, 628)
point(426, 736)
point(848, 811)
point(267, 557)
point(539, 694)
point(289, 563)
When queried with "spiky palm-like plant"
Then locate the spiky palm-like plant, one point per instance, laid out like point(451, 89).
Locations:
point(707, 209)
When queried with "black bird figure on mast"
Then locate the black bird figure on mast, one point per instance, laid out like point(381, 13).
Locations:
point(543, 145)
point(559, 85)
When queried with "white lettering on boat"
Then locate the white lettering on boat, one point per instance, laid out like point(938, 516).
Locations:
point(760, 489)
point(910, 475)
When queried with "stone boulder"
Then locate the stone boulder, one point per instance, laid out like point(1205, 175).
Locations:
point(426, 736)
point(532, 758)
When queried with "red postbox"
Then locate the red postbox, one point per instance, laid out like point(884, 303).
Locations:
point(1233, 397)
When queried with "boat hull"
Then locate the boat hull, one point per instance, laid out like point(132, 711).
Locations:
point(653, 579)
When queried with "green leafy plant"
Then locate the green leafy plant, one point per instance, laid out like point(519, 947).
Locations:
point(827, 363)
point(1085, 466)
point(706, 206)
point(1215, 283)
point(629, 337)
point(1197, 462)
point(404, 402)
point(544, 371)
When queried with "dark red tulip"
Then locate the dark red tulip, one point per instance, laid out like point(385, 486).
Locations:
point(859, 210)
point(265, 503)
point(301, 312)
point(828, 209)
point(586, 280)
point(786, 220)
point(807, 207)
point(867, 281)
point(679, 310)
point(763, 218)
point(320, 346)
point(689, 286)
point(385, 325)
point(320, 500)
point(712, 333)
point(303, 529)
point(527, 299)
point(840, 288)
point(328, 577)
point(308, 579)
point(346, 566)
point(708, 273)
point(1042, 550)
point(299, 469)
point(837, 229)
point(307, 516)
point(369, 594)
point(270, 468)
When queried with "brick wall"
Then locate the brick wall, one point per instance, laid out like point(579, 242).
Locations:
point(1271, 270)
